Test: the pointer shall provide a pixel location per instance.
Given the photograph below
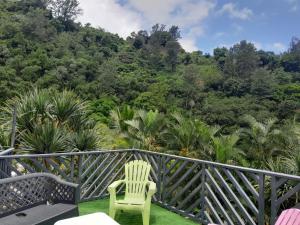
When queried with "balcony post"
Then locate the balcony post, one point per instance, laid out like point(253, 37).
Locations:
point(159, 178)
point(273, 200)
point(202, 196)
point(79, 172)
point(261, 199)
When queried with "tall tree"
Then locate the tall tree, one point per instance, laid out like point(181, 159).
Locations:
point(173, 48)
point(220, 55)
point(66, 10)
point(291, 59)
point(242, 60)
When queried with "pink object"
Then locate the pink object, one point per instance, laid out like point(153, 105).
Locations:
point(289, 217)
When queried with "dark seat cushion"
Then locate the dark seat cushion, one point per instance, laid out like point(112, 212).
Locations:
point(41, 215)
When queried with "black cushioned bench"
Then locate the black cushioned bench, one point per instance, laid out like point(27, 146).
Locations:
point(37, 199)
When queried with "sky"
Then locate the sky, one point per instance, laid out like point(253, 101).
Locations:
point(204, 24)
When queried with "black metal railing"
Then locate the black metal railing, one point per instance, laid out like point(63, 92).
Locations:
point(5, 162)
point(205, 191)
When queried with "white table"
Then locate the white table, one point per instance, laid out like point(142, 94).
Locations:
point(90, 219)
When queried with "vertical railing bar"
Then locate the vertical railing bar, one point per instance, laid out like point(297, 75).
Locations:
point(79, 173)
point(164, 170)
point(261, 199)
point(13, 127)
point(72, 169)
point(159, 177)
point(202, 195)
point(273, 200)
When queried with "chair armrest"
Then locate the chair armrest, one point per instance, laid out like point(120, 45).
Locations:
point(112, 188)
point(151, 190)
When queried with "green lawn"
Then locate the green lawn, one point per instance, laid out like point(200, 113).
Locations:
point(159, 216)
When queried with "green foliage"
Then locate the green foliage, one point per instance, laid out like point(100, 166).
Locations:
point(190, 137)
point(262, 84)
point(262, 137)
point(145, 128)
point(225, 149)
point(120, 116)
point(291, 59)
point(242, 60)
point(47, 121)
point(42, 47)
point(45, 138)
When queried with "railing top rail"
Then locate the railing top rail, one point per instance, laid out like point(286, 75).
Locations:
point(7, 151)
point(63, 154)
point(3, 155)
point(245, 169)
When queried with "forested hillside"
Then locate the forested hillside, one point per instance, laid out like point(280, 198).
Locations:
point(239, 105)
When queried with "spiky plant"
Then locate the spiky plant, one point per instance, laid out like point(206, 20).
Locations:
point(44, 115)
point(66, 108)
point(45, 138)
point(84, 140)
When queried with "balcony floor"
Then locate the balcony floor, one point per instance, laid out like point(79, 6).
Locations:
point(159, 216)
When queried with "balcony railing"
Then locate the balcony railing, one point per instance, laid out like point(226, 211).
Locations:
point(202, 190)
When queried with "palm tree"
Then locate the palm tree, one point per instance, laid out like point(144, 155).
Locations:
point(225, 150)
point(189, 136)
point(119, 116)
point(145, 128)
point(261, 138)
point(289, 141)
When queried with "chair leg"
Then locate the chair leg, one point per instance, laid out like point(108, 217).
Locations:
point(146, 217)
point(112, 212)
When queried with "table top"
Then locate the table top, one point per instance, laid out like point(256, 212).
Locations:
point(90, 219)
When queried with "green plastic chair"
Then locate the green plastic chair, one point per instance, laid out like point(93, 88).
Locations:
point(137, 198)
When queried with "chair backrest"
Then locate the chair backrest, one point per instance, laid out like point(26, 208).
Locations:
point(136, 178)
point(289, 217)
point(26, 191)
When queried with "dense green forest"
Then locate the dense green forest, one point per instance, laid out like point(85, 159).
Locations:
point(78, 87)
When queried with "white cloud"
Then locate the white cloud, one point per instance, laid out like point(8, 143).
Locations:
point(134, 15)
point(234, 12)
point(187, 14)
point(189, 44)
point(257, 45)
point(219, 35)
point(169, 12)
point(294, 5)
point(277, 47)
point(111, 16)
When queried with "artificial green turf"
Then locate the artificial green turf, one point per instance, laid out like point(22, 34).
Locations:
point(159, 216)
